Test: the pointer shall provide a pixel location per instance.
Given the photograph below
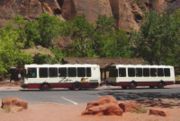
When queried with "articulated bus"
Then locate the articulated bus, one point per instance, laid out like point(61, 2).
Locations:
point(72, 76)
point(84, 76)
point(131, 76)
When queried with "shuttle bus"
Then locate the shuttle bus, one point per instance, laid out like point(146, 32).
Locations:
point(72, 76)
point(131, 76)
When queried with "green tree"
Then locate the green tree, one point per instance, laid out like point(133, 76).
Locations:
point(42, 59)
point(110, 41)
point(32, 33)
point(158, 39)
point(10, 54)
point(18, 24)
point(49, 28)
point(58, 55)
point(81, 31)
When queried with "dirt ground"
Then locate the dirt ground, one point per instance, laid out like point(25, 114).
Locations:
point(8, 84)
point(59, 112)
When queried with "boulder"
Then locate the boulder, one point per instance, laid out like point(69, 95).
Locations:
point(157, 112)
point(129, 106)
point(106, 105)
point(13, 104)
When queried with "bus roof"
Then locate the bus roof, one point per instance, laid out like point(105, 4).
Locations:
point(148, 66)
point(61, 65)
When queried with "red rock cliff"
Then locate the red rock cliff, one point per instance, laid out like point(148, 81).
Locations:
point(127, 13)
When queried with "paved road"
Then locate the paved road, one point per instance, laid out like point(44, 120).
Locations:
point(77, 97)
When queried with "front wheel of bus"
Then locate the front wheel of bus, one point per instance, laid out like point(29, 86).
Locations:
point(45, 87)
point(76, 86)
point(132, 85)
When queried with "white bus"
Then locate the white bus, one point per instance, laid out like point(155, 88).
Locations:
point(130, 76)
point(72, 76)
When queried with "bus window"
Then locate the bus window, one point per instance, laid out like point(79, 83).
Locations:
point(32, 73)
point(167, 72)
point(62, 72)
point(43, 72)
point(131, 72)
point(138, 72)
point(153, 72)
point(53, 72)
point(160, 72)
point(81, 72)
point(88, 72)
point(145, 72)
point(72, 72)
point(122, 72)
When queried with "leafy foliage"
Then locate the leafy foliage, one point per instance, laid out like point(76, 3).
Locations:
point(81, 31)
point(10, 55)
point(49, 27)
point(157, 41)
point(41, 59)
point(110, 41)
point(58, 55)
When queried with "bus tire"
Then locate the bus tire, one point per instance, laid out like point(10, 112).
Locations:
point(161, 85)
point(76, 86)
point(124, 87)
point(152, 87)
point(45, 87)
point(132, 85)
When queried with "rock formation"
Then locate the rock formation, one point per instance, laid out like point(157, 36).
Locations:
point(157, 112)
point(13, 104)
point(127, 13)
point(108, 105)
point(131, 106)
point(91, 9)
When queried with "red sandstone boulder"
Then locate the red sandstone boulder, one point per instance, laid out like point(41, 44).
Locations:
point(157, 112)
point(130, 106)
point(106, 105)
point(11, 104)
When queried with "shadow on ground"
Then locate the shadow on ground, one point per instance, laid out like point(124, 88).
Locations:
point(150, 99)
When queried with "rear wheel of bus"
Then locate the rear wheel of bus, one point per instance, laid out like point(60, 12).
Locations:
point(76, 86)
point(44, 87)
point(161, 85)
point(124, 87)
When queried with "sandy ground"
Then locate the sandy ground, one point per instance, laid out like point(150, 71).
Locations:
point(58, 112)
point(7, 86)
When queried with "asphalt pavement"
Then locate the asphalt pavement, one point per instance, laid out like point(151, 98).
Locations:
point(64, 96)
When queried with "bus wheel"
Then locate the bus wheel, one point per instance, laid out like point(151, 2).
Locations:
point(76, 86)
point(161, 85)
point(124, 87)
point(132, 85)
point(151, 87)
point(44, 87)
